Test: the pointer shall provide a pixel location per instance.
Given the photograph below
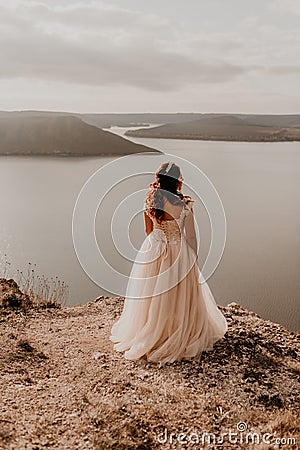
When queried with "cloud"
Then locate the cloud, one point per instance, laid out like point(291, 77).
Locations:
point(94, 17)
point(101, 45)
point(286, 6)
point(284, 70)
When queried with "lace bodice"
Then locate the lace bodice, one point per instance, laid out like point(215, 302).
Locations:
point(171, 230)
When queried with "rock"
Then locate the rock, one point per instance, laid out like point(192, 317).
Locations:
point(11, 296)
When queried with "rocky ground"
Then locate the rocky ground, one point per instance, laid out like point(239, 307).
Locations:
point(64, 387)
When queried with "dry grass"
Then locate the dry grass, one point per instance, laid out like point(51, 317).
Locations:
point(30, 290)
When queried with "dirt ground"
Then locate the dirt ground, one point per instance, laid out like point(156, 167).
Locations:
point(64, 387)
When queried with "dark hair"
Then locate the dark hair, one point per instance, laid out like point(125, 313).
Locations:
point(167, 177)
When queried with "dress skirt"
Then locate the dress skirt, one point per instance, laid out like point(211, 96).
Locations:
point(168, 315)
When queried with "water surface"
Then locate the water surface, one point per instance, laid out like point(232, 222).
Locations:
point(259, 186)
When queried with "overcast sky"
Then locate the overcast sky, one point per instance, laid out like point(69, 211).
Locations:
point(150, 56)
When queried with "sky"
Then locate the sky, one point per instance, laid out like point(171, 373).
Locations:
point(150, 56)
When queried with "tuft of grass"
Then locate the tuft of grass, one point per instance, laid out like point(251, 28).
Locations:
point(31, 290)
point(47, 292)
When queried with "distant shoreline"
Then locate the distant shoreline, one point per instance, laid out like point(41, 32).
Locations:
point(227, 128)
point(270, 139)
point(79, 155)
point(60, 134)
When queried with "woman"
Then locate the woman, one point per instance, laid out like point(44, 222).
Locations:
point(167, 315)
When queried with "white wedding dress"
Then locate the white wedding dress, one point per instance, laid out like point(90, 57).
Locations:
point(168, 315)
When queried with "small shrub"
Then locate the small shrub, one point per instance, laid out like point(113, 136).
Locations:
point(31, 290)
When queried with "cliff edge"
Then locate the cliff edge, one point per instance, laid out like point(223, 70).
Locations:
point(64, 387)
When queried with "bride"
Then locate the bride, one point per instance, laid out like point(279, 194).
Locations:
point(168, 315)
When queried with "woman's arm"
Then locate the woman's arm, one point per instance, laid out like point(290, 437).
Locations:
point(190, 231)
point(148, 223)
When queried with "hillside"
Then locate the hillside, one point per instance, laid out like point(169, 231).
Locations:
point(127, 120)
point(64, 387)
point(228, 128)
point(60, 130)
point(104, 120)
point(22, 134)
